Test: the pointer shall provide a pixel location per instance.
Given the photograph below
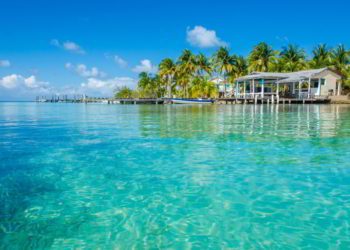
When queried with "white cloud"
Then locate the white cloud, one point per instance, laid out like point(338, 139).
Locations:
point(106, 87)
point(201, 37)
point(145, 66)
point(32, 83)
point(19, 87)
point(16, 81)
point(120, 61)
point(84, 71)
point(5, 63)
point(10, 81)
point(69, 46)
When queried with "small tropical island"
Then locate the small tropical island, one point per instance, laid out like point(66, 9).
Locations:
point(200, 76)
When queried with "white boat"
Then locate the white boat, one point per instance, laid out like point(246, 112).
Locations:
point(191, 101)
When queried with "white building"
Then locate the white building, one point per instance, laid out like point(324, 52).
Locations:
point(301, 84)
point(220, 84)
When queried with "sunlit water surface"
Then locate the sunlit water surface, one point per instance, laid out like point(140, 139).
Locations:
point(179, 177)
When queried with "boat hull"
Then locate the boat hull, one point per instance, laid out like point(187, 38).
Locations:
point(191, 101)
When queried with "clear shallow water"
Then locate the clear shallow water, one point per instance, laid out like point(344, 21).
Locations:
point(180, 177)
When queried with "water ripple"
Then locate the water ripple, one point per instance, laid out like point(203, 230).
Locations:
point(178, 177)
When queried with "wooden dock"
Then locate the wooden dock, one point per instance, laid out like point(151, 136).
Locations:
point(272, 100)
point(139, 101)
point(230, 100)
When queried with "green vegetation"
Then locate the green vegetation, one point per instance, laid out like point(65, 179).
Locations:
point(190, 75)
point(124, 92)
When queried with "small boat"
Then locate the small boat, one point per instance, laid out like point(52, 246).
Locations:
point(191, 101)
point(42, 100)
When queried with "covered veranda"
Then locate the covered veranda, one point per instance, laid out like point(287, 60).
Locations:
point(267, 86)
point(298, 85)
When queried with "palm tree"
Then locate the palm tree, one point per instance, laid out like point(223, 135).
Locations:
point(223, 63)
point(167, 70)
point(321, 57)
point(240, 67)
point(159, 86)
point(277, 66)
point(340, 60)
point(150, 86)
point(261, 58)
point(202, 87)
point(203, 73)
point(145, 84)
point(292, 58)
point(186, 67)
point(203, 65)
point(123, 92)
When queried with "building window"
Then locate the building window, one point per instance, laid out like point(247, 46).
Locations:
point(314, 83)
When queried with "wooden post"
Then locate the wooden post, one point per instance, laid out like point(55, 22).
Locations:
point(262, 87)
point(272, 99)
point(244, 88)
point(339, 88)
point(236, 89)
point(319, 87)
point(256, 99)
point(253, 87)
point(309, 89)
point(299, 89)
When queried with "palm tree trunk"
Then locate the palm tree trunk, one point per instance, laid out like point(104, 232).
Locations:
point(170, 82)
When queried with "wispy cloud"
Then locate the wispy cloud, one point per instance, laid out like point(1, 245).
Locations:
point(83, 71)
point(283, 39)
point(68, 46)
point(5, 63)
point(106, 87)
point(201, 37)
point(120, 61)
point(145, 66)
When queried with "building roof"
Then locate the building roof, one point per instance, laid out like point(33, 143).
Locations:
point(217, 80)
point(284, 77)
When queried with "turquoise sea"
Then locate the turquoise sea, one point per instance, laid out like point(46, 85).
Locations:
point(94, 176)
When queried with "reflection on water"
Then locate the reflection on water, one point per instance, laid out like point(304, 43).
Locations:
point(265, 120)
point(216, 176)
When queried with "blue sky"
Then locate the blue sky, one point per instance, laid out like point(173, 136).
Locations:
point(94, 46)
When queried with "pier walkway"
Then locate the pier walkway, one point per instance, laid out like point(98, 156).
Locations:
point(228, 100)
point(268, 100)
